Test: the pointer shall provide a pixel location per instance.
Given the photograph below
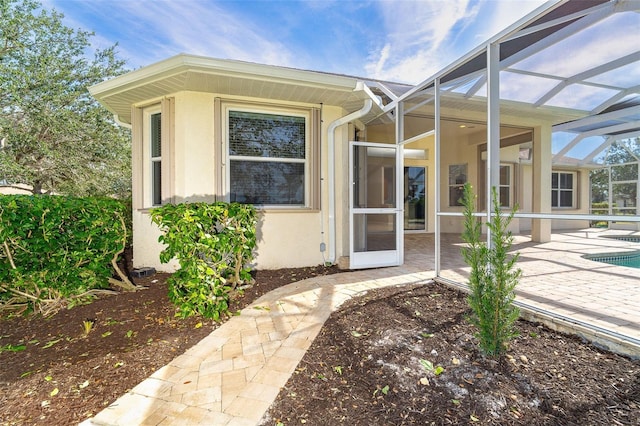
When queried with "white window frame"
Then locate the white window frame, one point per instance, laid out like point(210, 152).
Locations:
point(306, 114)
point(510, 185)
point(148, 160)
point(574, 189)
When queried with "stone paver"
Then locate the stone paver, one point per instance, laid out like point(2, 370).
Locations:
point(233, 375)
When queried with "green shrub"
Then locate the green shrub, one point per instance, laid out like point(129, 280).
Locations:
point(214, 245)
point(493, 276)
point(54, 249)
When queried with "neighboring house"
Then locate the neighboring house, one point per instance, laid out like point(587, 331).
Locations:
point(339, 166)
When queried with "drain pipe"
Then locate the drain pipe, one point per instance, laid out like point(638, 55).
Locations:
point(331, 140)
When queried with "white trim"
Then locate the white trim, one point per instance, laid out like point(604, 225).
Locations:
point(147, 160)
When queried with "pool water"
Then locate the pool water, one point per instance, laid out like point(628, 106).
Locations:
point(628, 259)
point(627, 238)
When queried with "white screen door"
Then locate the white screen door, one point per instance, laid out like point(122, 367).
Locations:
point(375, 205)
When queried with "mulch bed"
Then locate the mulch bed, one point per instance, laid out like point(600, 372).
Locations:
point(63, 376)
point(407, 356)
point(376, 361)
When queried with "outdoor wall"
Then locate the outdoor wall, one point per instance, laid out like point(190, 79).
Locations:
point(583, 203)
point(286, 238)
point(194, 162)
point(146, 248)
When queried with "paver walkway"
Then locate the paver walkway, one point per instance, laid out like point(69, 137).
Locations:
point(232, 376)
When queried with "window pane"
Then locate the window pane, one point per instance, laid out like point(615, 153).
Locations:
point(504, 197)
point(457, 179)
point(566, 198)
point(554, 180)
point(457, 174)
point(156, 135)
point(566, 181)
point(456, 194)
point(554, 198)
point(157, 183)
point(266, 135)
point(504, 175)
point(414, 198)
point(268, 183)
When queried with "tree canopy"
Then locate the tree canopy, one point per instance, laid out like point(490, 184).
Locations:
point(54, 136)
point(619, 166)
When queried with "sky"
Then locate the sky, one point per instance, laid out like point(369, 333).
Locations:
point(402, 40)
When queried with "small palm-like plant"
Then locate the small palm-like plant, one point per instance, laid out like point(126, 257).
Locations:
point(493, 278)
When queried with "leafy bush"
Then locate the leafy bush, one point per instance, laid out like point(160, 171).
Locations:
point(214, 245)
point(55, 249)
point(493, 276)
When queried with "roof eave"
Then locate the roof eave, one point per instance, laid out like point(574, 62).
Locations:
point(183, 62)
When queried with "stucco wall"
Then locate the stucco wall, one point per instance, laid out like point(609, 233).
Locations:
point(286, 238)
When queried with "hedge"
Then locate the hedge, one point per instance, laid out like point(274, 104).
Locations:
point(55, 249)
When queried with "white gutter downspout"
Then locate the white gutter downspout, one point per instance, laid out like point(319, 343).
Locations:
point(368, 104)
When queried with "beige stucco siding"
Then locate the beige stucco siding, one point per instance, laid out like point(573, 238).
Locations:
point(193, 151)
point(146, 248)
point(286, 238)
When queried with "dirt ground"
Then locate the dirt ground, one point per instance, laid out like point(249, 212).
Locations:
point(52, 373)
point(407, 356)
point(393, 357)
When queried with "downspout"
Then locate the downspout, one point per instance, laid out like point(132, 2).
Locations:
point(331, 141)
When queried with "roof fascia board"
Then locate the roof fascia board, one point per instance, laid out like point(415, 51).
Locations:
point(503, 35)
point(184, 63)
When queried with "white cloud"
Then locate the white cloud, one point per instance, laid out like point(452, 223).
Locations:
point(417, 32)
point(149, 31)
point(425, 36)
point(206, 29)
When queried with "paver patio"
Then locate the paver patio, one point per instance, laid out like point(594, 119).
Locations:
point(232, 376)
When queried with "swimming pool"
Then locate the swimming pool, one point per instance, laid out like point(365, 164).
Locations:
point(629, 259)
point(628, 238)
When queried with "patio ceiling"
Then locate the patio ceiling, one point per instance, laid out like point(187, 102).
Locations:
point(578, 59)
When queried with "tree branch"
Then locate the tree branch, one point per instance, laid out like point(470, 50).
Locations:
point(6, 249)
point(124, 282)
